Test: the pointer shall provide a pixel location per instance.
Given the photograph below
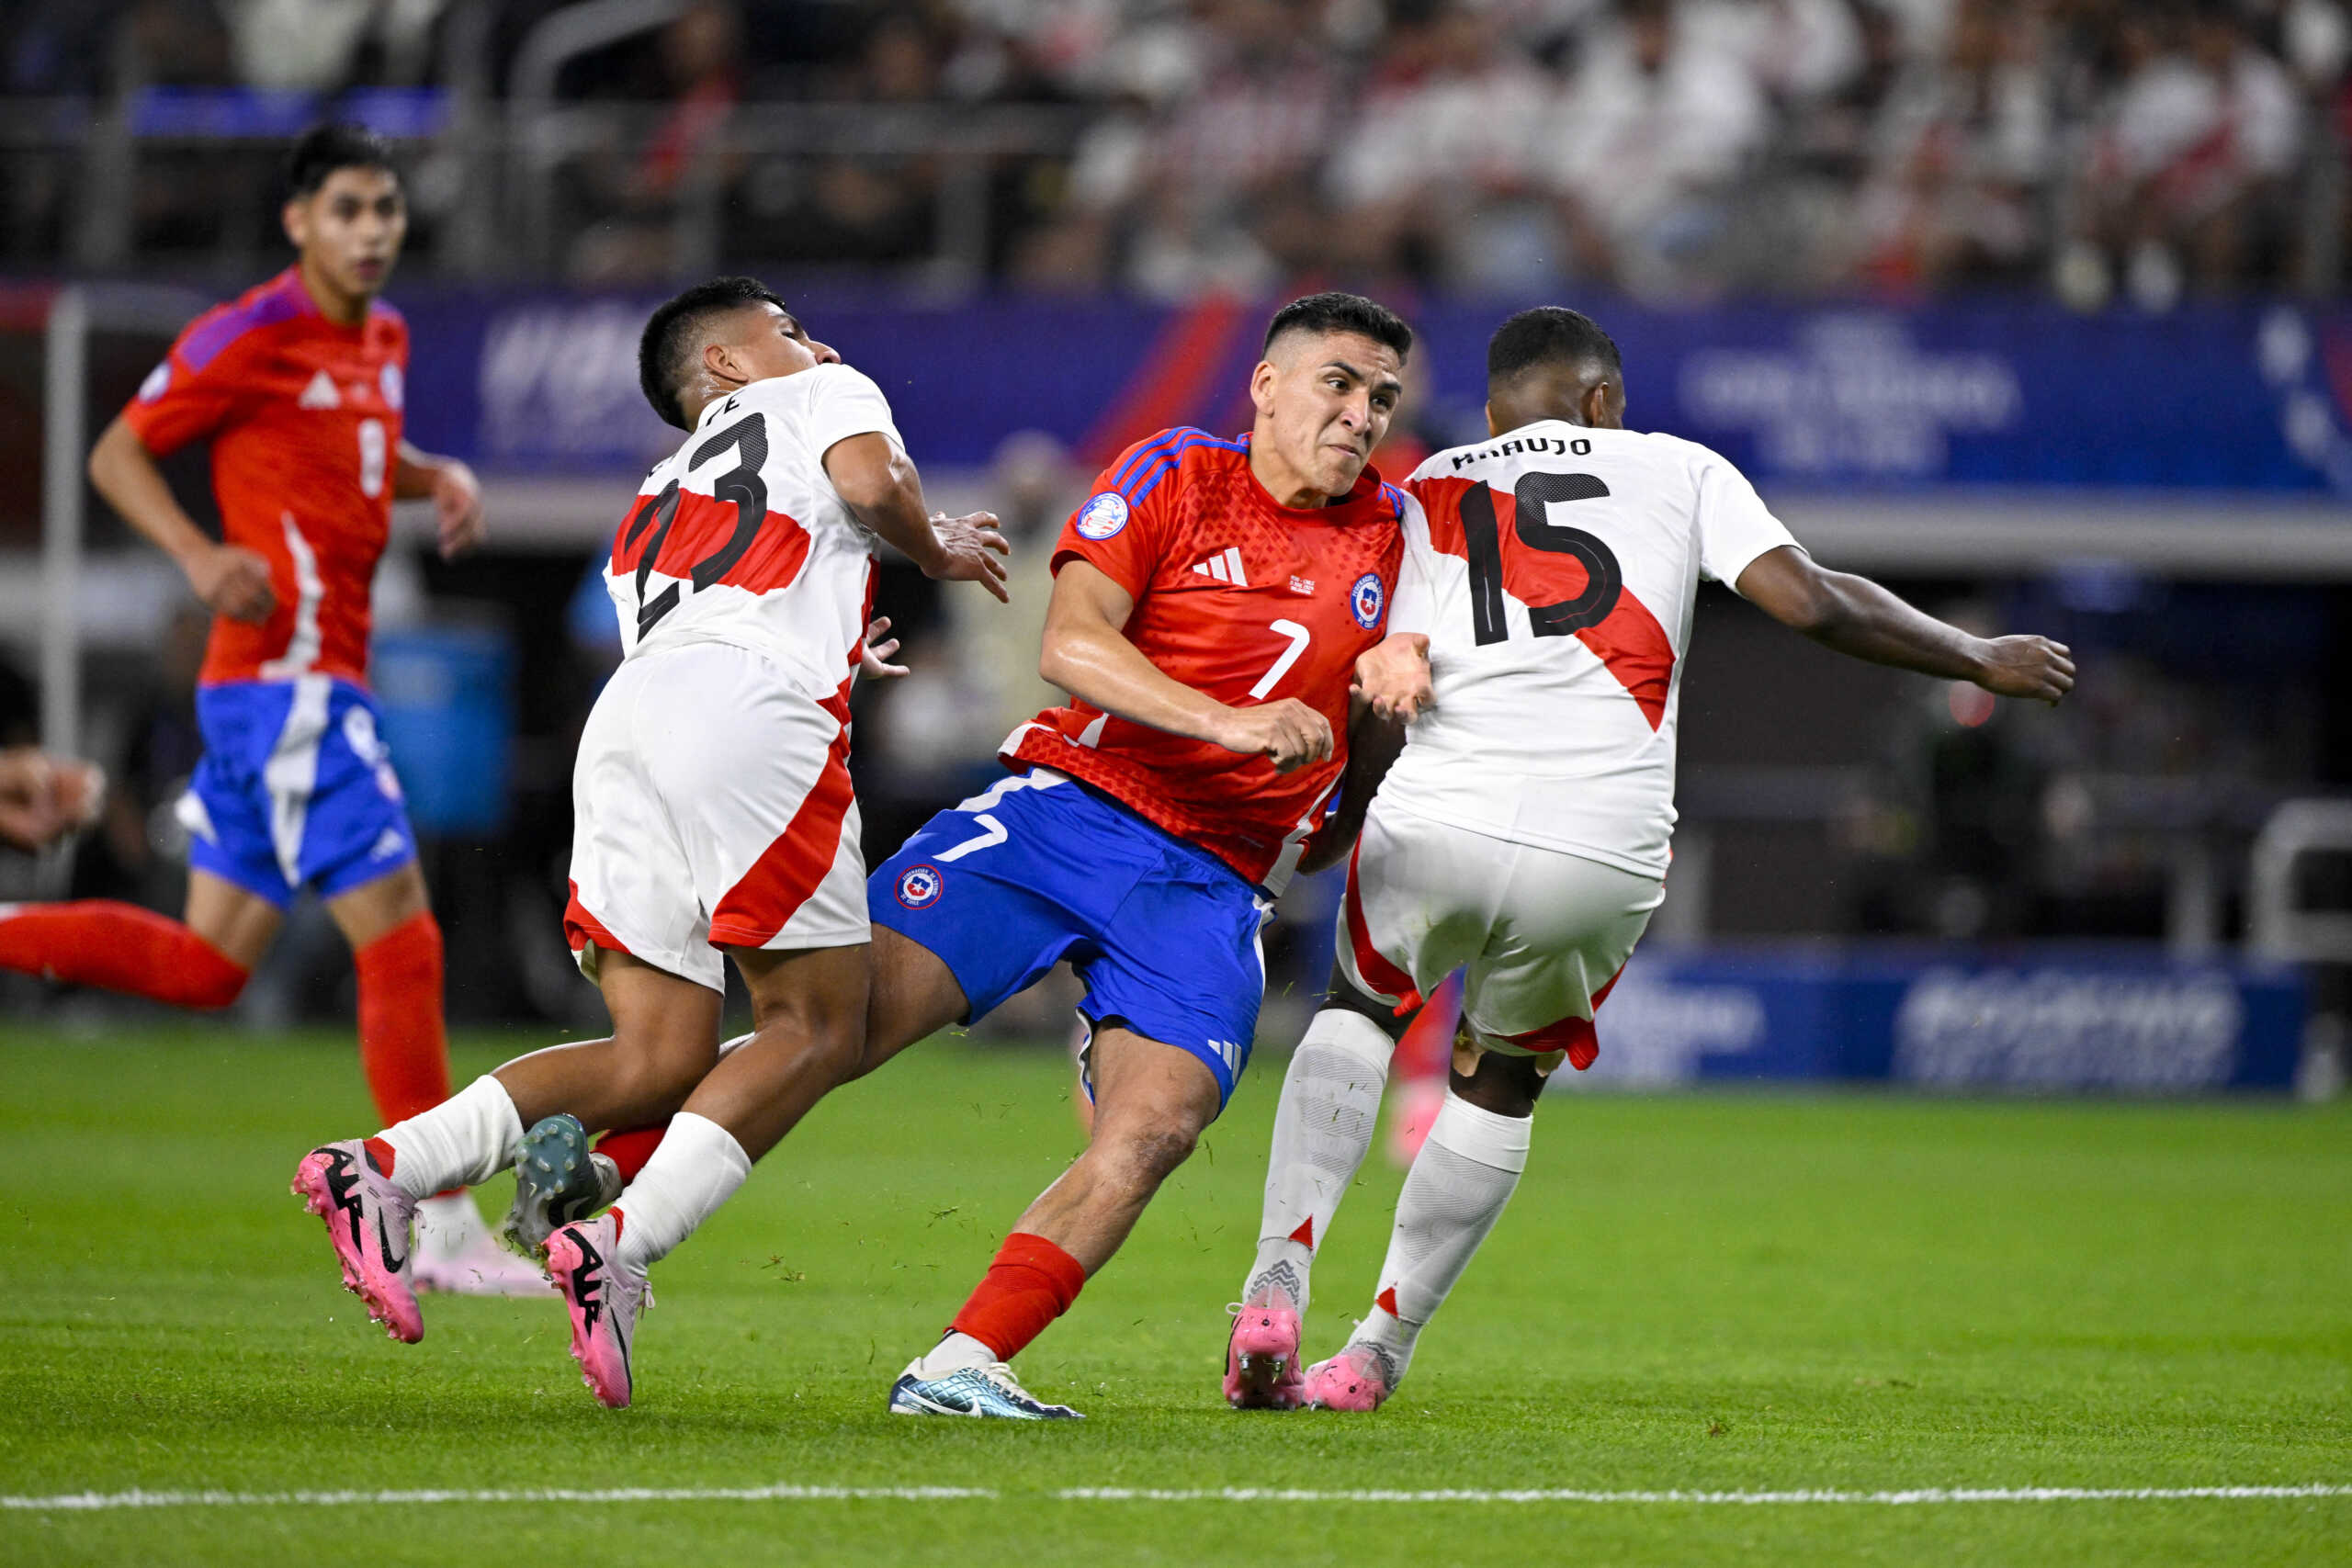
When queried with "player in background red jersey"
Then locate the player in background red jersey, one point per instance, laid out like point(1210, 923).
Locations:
point(298, 385)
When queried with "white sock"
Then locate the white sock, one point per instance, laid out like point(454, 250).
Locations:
point(697, 1166)
point(449, 1225)
point(1323, 1124)
point(953, 1354)
point(467, 1139)
point(1452, 1196)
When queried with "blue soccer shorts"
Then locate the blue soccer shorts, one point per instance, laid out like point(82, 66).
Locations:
point(296, 789)
point(1039, 869)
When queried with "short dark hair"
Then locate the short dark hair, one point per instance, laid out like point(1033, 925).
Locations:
point(666, 352)
point(1336, 313)
point(1550, 334)
point(338, 144)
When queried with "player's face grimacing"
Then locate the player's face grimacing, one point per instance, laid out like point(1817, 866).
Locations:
point(349, 231)
point(1324, 401)
point(765, 343)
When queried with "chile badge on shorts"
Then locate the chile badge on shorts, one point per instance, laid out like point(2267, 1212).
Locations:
point(919, 886)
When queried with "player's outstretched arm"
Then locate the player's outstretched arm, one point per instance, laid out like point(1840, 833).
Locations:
point(231, 580)
point(1855, 615)
point(1088, 655)
point(454, 493)
point(879, 484)
point(1373, 743)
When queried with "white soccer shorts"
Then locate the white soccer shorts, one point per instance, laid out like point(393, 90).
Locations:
point(712, 808)
point(1541, 934)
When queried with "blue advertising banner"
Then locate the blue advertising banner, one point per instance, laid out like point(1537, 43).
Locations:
point(2232, 398)
point(2118, 1019)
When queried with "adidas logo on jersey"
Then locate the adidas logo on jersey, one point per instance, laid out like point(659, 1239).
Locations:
point(319, 393)
point(1225, 568)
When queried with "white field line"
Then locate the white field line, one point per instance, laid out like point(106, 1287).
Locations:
point(91, 1502)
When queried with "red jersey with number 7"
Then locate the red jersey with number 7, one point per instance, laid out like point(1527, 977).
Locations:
point(1242, 599)
point(304, 417)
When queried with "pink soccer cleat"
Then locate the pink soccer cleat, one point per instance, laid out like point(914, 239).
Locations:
point(604, 1297)
point(1361, 1377)
point(370, 1220)
point(1262, 1359)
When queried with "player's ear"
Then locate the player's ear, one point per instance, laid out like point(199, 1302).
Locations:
point(1493, 428)
point(1606, 406)
point(296, 217)
point(1261, 386)
point(1594, 405)
point(719, 360)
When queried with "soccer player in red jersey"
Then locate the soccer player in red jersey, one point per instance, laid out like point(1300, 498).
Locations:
point(1210, 602)
point(298, 386)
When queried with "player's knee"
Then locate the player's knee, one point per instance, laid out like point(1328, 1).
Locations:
point(659, 1072)
point(1147, 1156)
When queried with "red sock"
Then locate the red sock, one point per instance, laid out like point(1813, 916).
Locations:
point(404, 1048)
point(1031, 1283)
point(119, 947)
point(631, 1148)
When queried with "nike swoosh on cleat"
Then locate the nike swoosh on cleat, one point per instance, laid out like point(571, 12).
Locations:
point(384, 1246)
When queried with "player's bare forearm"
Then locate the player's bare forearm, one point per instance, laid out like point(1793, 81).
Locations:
point(230, 580)
point(1373, 743)
point(1087, 654)
point(880, 486)
point(1855, 616)
point(126, 475)
point(451, 487)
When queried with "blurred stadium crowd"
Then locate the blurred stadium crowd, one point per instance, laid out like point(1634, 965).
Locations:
point(2140, 152)
point(1674, 148)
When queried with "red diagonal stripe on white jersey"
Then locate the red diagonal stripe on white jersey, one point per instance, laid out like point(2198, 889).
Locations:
point(1630, 642)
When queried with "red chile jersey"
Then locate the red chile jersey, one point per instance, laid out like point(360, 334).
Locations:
point(1241, 599)
point(1554, 572)
point(304, 417)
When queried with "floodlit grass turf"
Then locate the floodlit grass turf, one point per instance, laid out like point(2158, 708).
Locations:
point(1724, 1292)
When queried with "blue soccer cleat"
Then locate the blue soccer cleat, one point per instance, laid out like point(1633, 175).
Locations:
point(559, 1180)
point(988, 1391)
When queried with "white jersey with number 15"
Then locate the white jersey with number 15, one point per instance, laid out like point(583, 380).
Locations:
point(740, 537)
point(1554, 576)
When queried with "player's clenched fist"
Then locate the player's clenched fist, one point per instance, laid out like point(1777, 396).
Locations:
point(1288, 732)
point(456, 509)
point(2027, 666)
point(232, 582)
point(968, 547)
point(1394, 676)
point(43, 797)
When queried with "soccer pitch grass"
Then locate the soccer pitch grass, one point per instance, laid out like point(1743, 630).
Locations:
point(1743, 1294)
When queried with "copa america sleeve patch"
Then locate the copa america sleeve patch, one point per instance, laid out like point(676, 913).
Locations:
point(1367, 599)
point(1102, 516)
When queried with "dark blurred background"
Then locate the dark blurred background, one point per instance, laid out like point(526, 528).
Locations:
point(2033, 309)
